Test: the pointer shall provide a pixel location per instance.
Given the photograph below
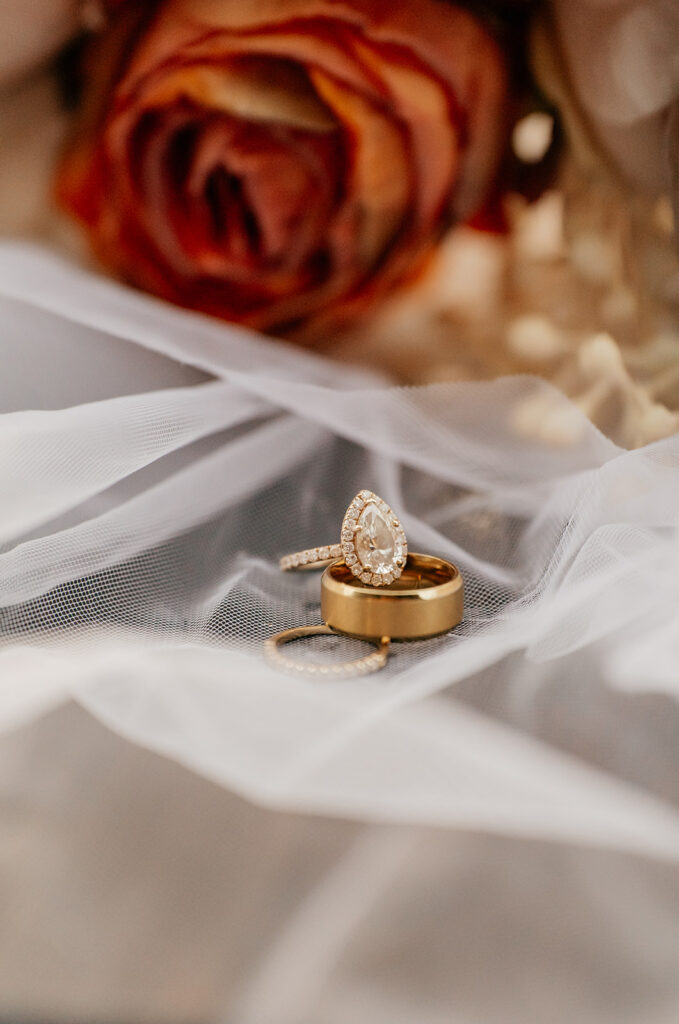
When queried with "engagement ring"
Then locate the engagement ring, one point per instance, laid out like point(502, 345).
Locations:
point(372, 544)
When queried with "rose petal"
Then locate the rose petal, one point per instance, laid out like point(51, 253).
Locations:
point(256, 90)
point(378, 189)
point(279, 160)
point(423, 105)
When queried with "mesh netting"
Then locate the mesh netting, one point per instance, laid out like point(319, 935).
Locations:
point(155, 465)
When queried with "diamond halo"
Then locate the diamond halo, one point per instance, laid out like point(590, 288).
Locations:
point(373, 542)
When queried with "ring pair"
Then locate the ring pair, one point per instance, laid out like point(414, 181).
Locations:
point(373, 589)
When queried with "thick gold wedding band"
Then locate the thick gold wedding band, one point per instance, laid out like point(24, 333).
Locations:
point(426, 600)
point(364, 666)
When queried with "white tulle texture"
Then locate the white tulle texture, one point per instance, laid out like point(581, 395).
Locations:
point(154, 466)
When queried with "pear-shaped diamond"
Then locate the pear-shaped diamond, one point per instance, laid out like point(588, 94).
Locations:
point(378, 541)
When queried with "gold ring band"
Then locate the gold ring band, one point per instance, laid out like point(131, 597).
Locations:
point(426, 600)
point(312, 558)
point(372, 662)
point(372, 544)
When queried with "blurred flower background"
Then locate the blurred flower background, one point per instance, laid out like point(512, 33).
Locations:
point(514, 116)
point(283, 164)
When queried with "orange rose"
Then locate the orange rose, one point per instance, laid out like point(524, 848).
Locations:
point(285, 162)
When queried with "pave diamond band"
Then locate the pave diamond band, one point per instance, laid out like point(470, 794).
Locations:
point(372, 544)
point(312, 558)
point(364, 666)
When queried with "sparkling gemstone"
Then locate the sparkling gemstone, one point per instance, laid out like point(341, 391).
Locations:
point(378, 544)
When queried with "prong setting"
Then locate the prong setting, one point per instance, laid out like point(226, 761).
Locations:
point(372, 544)
point(373, 541)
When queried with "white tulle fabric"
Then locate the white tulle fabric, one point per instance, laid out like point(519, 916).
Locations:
point(155, 464)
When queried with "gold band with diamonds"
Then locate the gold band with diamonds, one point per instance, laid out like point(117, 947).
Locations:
point(312, 558)
point(427, 600)
point(372, 662)
point(372, 544)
